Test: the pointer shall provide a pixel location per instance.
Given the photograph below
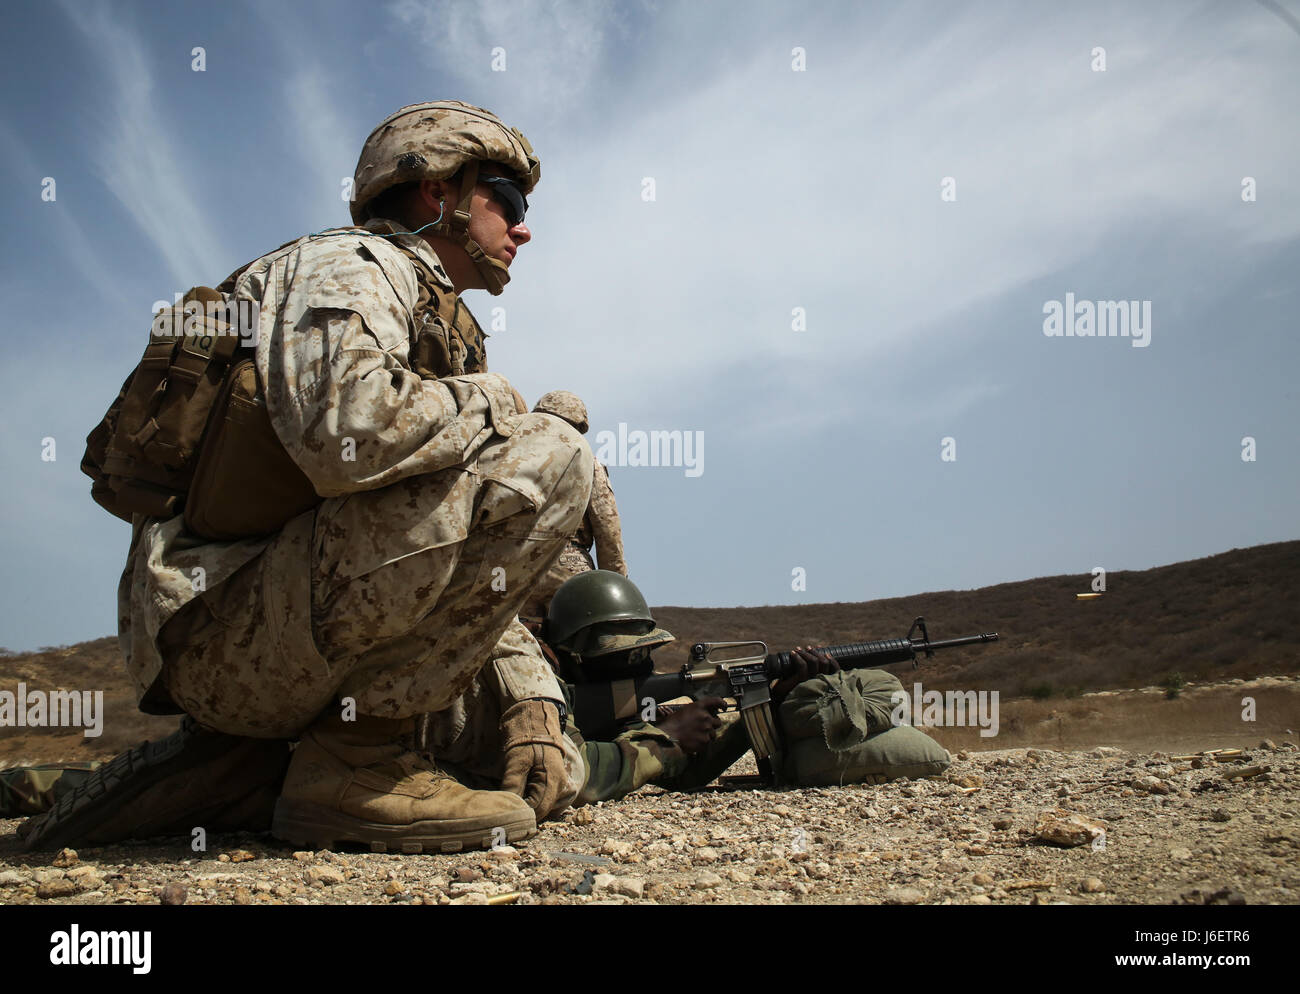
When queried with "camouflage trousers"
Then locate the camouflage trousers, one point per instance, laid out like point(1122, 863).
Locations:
point(574, 559)
point(393, 597)
point(29, 790)
point(467, 742)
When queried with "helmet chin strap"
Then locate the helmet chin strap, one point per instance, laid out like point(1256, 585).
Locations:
point(493, 271)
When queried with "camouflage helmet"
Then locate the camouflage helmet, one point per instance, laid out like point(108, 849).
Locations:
point(563, 404)
point(599, 612)
point(435, 140)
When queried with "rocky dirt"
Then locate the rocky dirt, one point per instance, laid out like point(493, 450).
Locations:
point(1125, 828)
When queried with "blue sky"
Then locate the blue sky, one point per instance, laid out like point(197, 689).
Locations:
point(775, 189)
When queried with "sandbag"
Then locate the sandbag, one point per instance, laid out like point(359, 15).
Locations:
point(836, 729)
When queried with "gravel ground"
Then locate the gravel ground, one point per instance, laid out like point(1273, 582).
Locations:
point(1124, 828)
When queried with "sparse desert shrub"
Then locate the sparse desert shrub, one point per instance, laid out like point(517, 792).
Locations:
point(1173, 685)
point(1040, 691)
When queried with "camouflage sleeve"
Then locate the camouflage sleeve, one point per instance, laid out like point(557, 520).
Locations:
point(602, 514)
point(639, 755)
point(703, 768)
point(340, 390)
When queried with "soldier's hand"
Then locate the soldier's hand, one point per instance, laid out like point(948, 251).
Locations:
point(535, 767)
point(694, 725)
point(809, 664)
point(521, 407)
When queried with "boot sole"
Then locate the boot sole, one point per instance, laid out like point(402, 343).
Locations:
point(113, 786)
point(315, 825)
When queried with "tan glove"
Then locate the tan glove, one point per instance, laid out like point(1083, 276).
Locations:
point(535, 767)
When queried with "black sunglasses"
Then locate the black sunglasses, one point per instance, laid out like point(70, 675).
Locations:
point(508, 195)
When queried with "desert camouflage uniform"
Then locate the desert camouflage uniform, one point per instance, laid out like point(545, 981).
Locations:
point(443, 506)
point(601, 527)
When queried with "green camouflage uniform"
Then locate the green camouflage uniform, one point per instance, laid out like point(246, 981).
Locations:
point(29, 790)
point(643, 754)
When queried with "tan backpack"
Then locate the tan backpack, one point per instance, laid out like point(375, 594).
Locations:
point(189, 431)
point(148, 455)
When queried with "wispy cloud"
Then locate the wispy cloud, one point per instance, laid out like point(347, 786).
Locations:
point(821, 189)
point(71, 242)
point(320, 135)
point(137, 157)
point(556, 49)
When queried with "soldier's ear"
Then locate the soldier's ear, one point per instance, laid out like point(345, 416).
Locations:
point(432, 193)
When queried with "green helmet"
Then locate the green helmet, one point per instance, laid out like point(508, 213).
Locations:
point(599, 612)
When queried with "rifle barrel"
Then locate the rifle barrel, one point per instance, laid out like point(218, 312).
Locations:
point(882, 652)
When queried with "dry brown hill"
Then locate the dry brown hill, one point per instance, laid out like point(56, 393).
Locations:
point(1227, 616)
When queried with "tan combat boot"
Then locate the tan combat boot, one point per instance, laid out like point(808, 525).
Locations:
point(359, 781)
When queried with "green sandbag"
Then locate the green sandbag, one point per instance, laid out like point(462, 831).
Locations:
point(837, 730)
point(900, 752)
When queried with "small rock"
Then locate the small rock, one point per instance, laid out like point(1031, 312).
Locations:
point(12, 878)
point(304, 857)
point(241, 856)
point(1002, 824)
point(633, 887)
point(392, 888)
point(904, 895)
point(583, 816)
point(1218, 814)
point(61, 887)
point(325, 876)
point(627, 886)
point(466, 875)
point(707, 881)
point(242, 896)
point(981, 899)
point(612, 847)
point(1268, 744)
point(173, 894)
point(1092, 886)
point(982, 880)
point(474, 898)
point(1066, 828)
point(65, 857)
point(1180, 853)
point(82, 872)
point(1152, 785)
point(707, 854)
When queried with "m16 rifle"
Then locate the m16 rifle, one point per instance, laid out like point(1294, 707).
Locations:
point(741, 673)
